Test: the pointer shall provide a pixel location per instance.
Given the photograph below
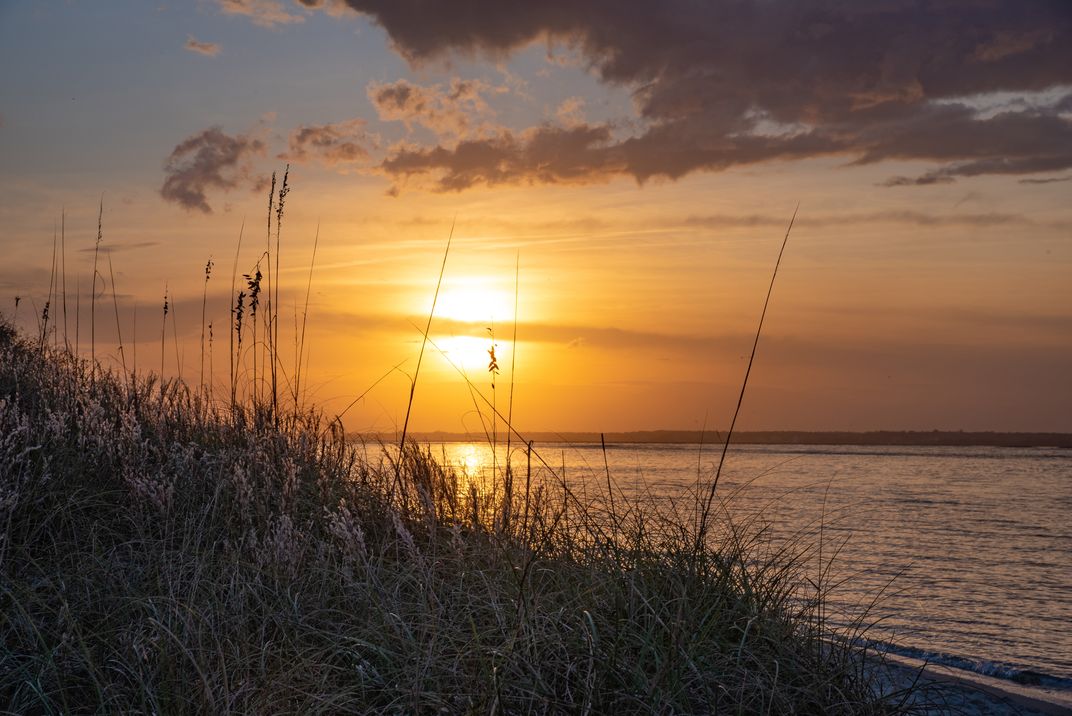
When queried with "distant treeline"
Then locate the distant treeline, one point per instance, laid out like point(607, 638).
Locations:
point(778, 437)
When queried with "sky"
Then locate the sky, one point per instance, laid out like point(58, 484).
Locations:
point(615, 179)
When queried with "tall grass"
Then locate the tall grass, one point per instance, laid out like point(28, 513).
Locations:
point(704, 513)
point(115, 305)
point(93, 291)
point(63, 275)
point(160, 555)
point(204, 318)
point(161, 552)
point(424, 341)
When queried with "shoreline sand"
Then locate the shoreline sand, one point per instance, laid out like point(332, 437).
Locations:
point(946, 690)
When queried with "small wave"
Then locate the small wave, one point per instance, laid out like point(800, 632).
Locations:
point(993, 669)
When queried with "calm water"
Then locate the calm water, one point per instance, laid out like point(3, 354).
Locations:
point(972, 546)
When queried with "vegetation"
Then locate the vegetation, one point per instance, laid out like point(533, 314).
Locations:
point(164, 551)
point(162, 555)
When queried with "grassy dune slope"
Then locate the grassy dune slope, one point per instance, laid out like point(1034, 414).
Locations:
point(161, 554)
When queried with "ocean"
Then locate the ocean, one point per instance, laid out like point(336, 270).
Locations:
point(961, 556)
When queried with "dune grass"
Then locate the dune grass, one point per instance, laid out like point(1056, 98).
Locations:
point(159, 553)
point(163, 551)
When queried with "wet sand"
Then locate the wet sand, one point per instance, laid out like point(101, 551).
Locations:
point(945, 690)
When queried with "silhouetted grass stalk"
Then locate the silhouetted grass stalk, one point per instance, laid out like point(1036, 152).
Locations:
point(701, 532)
point(424, 342)
point(63, 275)
point(305, 318)
point(51, 288)
point(204, 307)
point(284, 189)
point(232, 356)
point(508, 487)
point(93, 293)
point(493, 369)
point(118, 326)
point(163, 335)
point(253, 283)
point(175, 340)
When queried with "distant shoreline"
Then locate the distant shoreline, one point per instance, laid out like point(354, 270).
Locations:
point(908, 438)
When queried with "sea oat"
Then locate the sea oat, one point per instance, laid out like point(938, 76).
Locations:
point(343, 525)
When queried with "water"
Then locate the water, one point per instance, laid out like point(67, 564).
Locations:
point(968, 549)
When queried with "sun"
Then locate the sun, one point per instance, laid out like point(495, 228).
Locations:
point(473, 314)
point(475, 300)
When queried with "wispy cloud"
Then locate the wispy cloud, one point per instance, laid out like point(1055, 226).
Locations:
point(208, 49)
point(1046, 180)
point(266, 13)
point(208, 159)
point(916, 218)
point(925, 180)
point(719, 85)
point(115, 248)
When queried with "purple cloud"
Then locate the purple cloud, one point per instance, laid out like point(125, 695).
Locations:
point(718, 85)
point(209, 159)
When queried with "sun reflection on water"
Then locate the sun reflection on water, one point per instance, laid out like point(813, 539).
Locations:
point(476, 463)
point(469, 458)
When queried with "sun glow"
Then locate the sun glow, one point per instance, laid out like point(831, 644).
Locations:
point(489, 312)
point(475, 300)
point(471, 353)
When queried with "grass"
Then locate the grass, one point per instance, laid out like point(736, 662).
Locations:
point(164, 552)
point(158, 555)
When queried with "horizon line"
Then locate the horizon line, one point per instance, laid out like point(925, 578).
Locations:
point(919, 438)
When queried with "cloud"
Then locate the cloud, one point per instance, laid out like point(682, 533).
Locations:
point(209, 159)
point(719, 85)
point(1007, 44)
point(452, 112)
point(266, 13)
point(1056, 161)
point(335, 8)
point(1036, 139)
point(114, 248)
point(544, 155)
point(924, 180)
point(208, 49)
point(915, 218)
point(339, 144)
point(1046, 180)
point(570, 112)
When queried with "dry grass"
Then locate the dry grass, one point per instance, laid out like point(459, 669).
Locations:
point(161, 555)
point(164, 552)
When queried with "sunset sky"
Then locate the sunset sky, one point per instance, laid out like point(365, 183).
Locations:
point(637, 163)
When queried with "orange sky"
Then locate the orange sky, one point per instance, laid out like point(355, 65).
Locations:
point(920, 289)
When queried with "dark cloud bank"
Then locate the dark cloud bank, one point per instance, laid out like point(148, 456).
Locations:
point(974, 86)
point(720, 84)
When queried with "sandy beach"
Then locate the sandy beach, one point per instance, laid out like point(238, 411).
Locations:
point(953, 691)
